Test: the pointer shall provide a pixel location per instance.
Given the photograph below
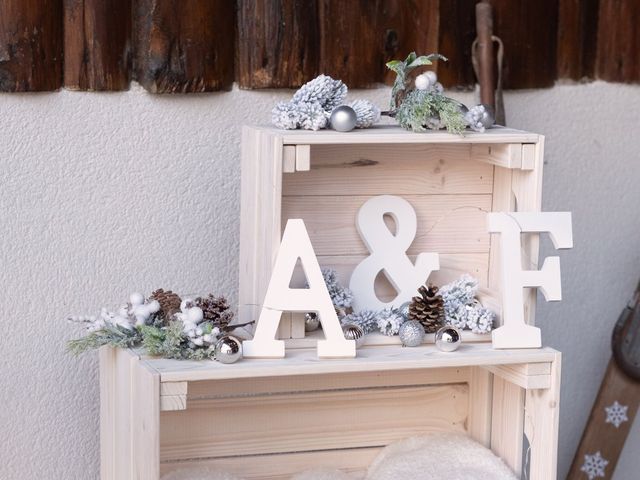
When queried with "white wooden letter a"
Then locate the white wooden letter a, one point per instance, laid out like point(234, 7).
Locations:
point(514, 332)
point(296, 244)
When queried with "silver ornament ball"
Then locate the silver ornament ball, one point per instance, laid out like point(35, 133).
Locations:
point(355, 332)
point(343, 119)
point(448, 338)
point(411, 333)
point(487, 119)
point(228, 349)
point(311, 322)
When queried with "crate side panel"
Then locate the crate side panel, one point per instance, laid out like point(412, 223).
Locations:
point(390, 169)
point(310, 421)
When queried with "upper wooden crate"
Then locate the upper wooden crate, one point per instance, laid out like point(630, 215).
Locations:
point(324, 177)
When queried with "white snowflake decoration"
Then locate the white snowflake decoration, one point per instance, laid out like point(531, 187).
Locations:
point(616, 414)
point(594, 465)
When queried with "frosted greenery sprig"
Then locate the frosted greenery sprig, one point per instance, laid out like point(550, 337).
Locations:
point(113, 335)
point(403, 70)
point(422, 110)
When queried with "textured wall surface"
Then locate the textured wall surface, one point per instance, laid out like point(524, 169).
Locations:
point(104, 194)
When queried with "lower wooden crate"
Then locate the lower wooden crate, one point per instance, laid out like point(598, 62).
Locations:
point(268, 419)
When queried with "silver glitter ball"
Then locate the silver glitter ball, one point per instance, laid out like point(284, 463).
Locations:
point(487, 119)
point(228, 349)
point(343, 119)
point(448, 338)
point(411, 333)
point(352, 331)
point(311, 322)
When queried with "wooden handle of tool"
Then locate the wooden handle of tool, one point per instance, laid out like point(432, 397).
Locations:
point(484, 31)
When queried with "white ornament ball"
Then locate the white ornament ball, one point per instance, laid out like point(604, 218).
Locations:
point(422, 82)
point(343, 119)
point(136, 299)
point(195, 315)
point(141, 312)
point(448, 338)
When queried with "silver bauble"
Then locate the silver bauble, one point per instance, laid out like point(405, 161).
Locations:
point(448, 338)
point(311, 322)
point(355, 332)
point(343, 118)
point(404, 310)
point(487, 119)
point(228, 349)
point(411, 333)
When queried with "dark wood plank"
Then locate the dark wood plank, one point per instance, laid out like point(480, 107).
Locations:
point(577, 22)
point(618, 57)
point(529, 32)
point(278, 43)
point(456, 34)
point(30, 45)
point(97, 44)
point(184, 46)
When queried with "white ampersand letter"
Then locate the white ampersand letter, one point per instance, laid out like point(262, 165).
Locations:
point(389, 253)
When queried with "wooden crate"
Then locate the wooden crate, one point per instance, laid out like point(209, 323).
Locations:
point(268, 419)
point(324, 177)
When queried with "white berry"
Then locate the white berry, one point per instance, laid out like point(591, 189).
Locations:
point(195, 315)
point(153, 306)
point(423, 82)
point(431, 75)
point(136, 299)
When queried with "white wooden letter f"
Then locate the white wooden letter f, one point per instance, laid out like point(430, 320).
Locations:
point(296, 244)
point(514, 332)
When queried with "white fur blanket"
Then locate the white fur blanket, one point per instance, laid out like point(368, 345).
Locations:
point(437, 456)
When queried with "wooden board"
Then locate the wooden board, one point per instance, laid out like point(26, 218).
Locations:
point(276, 43)
point(311, 421)
point(618, 56)
point(184, 47)
point(390, 170)
point(31, 41)
point(577, 22)
point(97, 44)
point(372, 359)
point(330, 221)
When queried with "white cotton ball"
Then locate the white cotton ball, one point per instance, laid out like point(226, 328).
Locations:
point(191, 332)
point(199, 331)
point(195, 315)
point(431, 75)
point(422, 82)
point(136, 299)
point(198, 341)
point(153, 306)
point(141, 311)
point(215, 331)
point(186, 304)
point(208, 338)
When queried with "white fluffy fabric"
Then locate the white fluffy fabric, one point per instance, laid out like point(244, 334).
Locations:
point(437, 456)
point(453, 456)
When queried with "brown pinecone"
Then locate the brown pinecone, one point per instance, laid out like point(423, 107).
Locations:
point(169, 302)
point(427, 308)
point(215, 310)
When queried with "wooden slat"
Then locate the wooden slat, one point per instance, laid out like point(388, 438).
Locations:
point(97, 44)
point(378, 359)
point(283, 466)
point(618, 56)
point(480, 405)
point(516, 375)
point(577, 22)
point(507, 423)
point(441, 220)
point(184, 46)
point(277, 43)
point(386, 169)
point(30, 45)
point(529, 32)
point(145, 421)
point(310, 421)
point(314, 383)
point(452, 266)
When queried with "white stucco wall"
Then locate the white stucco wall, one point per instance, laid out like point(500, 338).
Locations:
point(104, 194)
